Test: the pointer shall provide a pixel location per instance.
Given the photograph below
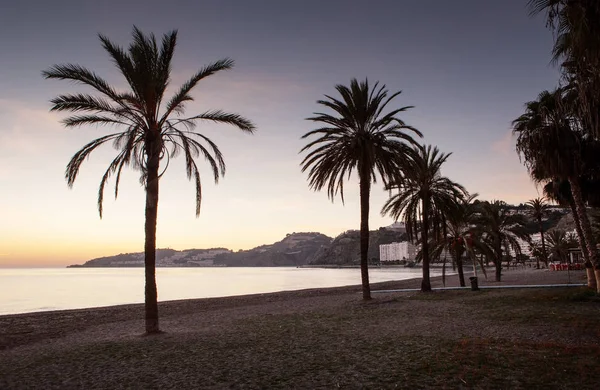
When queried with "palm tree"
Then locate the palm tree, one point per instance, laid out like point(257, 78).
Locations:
point(457, 238)
point(538, 209)
point(558, 244)
point(150, 133)
point(500, 231)
point(358, 135)
point(536, 251)
point(422, 194)
point(553, 149)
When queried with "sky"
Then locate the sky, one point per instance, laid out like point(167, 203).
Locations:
point(467, 66)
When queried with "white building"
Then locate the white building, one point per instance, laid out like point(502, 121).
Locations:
point(397, 251)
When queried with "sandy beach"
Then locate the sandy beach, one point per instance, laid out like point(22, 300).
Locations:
point(103, 347)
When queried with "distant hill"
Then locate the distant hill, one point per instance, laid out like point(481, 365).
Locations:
point(345, 248)
point(164, 258)
point(295, 249)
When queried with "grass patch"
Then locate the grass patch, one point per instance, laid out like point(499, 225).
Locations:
point(584, 295)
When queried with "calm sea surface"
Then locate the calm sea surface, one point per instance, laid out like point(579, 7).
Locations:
point(30, 290)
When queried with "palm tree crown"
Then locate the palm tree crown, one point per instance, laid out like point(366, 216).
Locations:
point(360, 135)
point(538, 208)
point(576, 28)
point(547, 142)
point(141, 113)
point(423, 180)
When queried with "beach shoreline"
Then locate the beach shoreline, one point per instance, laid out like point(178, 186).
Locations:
point(26, 328)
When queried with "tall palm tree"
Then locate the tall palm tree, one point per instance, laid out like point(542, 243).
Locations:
point(359, 136)
point(553, 149)
point(538, 209)
point(500, 231)
point(151, 133)
point(423, 193)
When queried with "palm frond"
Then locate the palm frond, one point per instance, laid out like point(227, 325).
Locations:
point(176, 104)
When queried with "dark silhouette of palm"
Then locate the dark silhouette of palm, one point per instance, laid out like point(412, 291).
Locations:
point(538, 209)
point(499, 229)
point(152, 130)
point(457, 238)
point(553, 147)
point(558, 244)
point(576, 25)
point(535, 250)
point(422, 194)
point(359, 136)
point(576, 28)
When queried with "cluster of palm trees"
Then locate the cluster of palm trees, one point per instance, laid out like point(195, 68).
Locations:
point(358, 134)
point(557, 139)
point(558, 134)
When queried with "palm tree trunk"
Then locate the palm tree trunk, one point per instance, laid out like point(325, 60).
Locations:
point(498, 261)
point(426, 283)
point(586, 229)
point(544, 255)
point(498, 266)
point(365, 189)
point(580, 236)
point(151, 295)
point(459, 265)
point(591, 279)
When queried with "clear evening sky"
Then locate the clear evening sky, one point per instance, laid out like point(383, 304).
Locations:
point(466, 65)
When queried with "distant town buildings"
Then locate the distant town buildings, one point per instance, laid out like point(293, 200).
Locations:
point(397, 251)
point(193, 257)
